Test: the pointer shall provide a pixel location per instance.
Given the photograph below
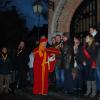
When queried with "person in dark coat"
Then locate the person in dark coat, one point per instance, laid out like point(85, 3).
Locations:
point(5, 69)
point(78, 74)
point(21, 60)
point(67, 63)
point(95, 33)
point(90, 56)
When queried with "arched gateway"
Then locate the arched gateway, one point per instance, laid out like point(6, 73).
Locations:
point(60, 18)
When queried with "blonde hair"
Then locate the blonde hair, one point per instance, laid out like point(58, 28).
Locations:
point(91, 40)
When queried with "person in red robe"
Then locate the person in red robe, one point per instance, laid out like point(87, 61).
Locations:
point(44, 60)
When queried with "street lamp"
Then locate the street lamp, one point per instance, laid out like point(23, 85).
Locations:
point(37, 8)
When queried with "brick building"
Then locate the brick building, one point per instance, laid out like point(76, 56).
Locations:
point(63, 16)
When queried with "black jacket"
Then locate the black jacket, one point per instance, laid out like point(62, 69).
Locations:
point(79, 56)
point(67, 55)
point(21, 60)
point(5, 65)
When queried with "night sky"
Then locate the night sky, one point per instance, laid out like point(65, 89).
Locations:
point(24, 9)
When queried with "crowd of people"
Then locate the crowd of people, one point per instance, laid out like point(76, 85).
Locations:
point(13, 68)
point(67, 65)
point(77, 67)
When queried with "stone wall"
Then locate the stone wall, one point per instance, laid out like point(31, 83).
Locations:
point(60, 18)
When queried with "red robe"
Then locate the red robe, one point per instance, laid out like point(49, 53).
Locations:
point(41, 72)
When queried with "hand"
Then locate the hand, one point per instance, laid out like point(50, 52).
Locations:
point(97, 44)
point(84, 63)
point(52, 58)
point(93, 67)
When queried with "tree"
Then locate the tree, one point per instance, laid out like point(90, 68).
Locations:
point(12, 27)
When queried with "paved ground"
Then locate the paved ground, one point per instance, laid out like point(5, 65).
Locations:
point(27, 95)
point(12, 97)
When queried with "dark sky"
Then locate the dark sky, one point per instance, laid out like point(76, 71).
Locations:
point(24, 8)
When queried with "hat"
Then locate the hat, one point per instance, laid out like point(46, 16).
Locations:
point(44, 39)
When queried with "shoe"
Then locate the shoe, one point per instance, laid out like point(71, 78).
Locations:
point(88, 88)
point(44, 94)
point(92, 95)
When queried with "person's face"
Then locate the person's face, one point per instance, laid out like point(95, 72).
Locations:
point(53, 40)
point(43, 45)
point(91, 30)
point(4, 50)
point(76, 41)
point(87, 39)
point(58, 39)
point(21, 45)
point(65, 38)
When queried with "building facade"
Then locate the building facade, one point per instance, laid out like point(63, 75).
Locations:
point(63, 15)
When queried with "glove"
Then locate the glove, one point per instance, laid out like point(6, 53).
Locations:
point(52, 58)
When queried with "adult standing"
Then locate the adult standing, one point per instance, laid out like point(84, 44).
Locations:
point(67, 63)
point(5, 68)
point(43, 64)
point(21, 65)
point(59, 72)
point(89, 62)
point(95, 32)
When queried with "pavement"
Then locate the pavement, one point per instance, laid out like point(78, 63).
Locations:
point(53, 95)
point(4, 96)
point(26, 94)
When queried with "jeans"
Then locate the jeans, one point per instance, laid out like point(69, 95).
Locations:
point(59, 73)
point(6, 79)
point(68, 80)
point(77, 82)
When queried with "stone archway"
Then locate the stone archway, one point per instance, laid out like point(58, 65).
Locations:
point(57, 13)
point(62, 16)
